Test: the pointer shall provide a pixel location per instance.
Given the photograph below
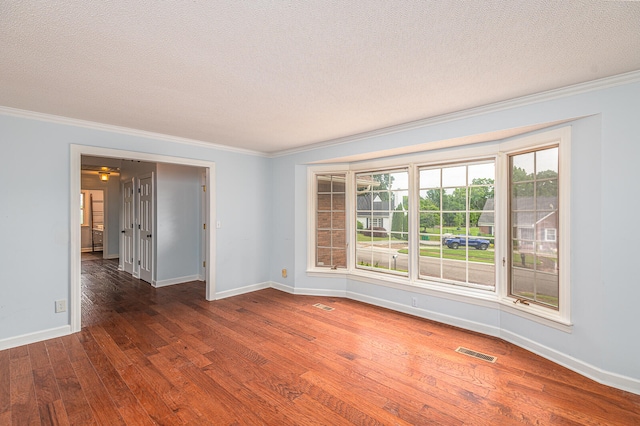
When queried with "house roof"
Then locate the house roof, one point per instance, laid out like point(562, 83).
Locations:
point(378, 208)
point(524, 213)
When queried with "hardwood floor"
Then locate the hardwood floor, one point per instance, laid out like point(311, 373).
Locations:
point(167, 356)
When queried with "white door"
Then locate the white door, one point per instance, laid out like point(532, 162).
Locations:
point(128, 215)
point(145, 224)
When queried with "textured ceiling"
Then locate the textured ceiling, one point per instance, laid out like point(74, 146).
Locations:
point(277, 75)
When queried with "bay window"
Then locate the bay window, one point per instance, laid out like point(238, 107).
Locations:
point(487, 222)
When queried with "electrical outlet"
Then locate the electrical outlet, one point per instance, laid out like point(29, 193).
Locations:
point(61, 306)
point(284, 273)
point(414, 302)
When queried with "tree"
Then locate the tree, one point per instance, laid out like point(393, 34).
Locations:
point(400, 223)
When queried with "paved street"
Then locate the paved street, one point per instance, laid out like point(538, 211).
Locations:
point(479, 273)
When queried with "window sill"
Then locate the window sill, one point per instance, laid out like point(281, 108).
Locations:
point(538, 314)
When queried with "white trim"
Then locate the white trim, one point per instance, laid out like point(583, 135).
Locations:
point(604, 377)
point(38, 336)
point(424, 313)
point(312, 172)
point(243, 290)
point(174, 281)
point(76, 151)
point(308, 291)
point(575, 89)
point(549, 95)
point(58, 119)
point(562, 138)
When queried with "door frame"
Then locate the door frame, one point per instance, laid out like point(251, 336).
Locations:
point(138, 231)
point(76, 151)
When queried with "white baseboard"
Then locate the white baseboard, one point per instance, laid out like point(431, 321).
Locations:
point(307, 291)
point(37, 336)
point(426, 314)
point(178, 280)
point(111, 256)
point(242, 290)
point(608, 378)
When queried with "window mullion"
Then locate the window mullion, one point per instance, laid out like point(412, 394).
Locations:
point(414, 223)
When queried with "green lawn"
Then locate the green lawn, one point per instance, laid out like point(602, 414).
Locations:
point(364, 238)
point(484, 256)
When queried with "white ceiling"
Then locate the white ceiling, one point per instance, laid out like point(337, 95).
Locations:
point(277, 75)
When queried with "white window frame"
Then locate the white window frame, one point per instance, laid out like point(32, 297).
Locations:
point(312, 204)
point(443, 281)
point(561, 138)
point(498, 298)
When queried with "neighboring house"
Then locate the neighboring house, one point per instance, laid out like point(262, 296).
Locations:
point(373, 214)
point(528, 224)
point(486, 222)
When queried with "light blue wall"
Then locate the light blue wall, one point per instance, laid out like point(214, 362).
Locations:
point(31, 280)
point(178, 224)
point(262, 208)
point(605, 170)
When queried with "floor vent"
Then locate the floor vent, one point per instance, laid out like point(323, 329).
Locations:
point(476, 354)
point(323, 307)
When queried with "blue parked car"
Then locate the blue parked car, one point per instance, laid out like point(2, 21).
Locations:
point(477, 243)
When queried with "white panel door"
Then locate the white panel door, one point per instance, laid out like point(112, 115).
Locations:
point(145, 224)
point(128, 215)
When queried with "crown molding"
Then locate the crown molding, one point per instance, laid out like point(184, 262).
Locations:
point(57, 119)
point(575, 89)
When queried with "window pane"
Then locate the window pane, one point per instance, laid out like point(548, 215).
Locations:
point(430, 178)
point(324, 202)
point(522, 196)
point(382, 212)
point(324, 220)
point(534, 227)
point(330, 221)
point(430, 223)
point(481, 198)
point(522, 167)
point(324, 183)
point(482, 174)
point(547, 163)
point(456, 236)
point(547, 194)
point(454, 176)
point(454, 199)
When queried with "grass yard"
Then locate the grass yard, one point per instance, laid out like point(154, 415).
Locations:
point(483, 256)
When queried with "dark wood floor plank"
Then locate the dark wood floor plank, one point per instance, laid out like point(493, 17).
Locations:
point(24, 405)
point(5, 386)
point(75, 403)
point(98, 397)
point(127, 404)
point(167, 356)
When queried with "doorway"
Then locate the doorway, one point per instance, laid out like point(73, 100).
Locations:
point(77, 151)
